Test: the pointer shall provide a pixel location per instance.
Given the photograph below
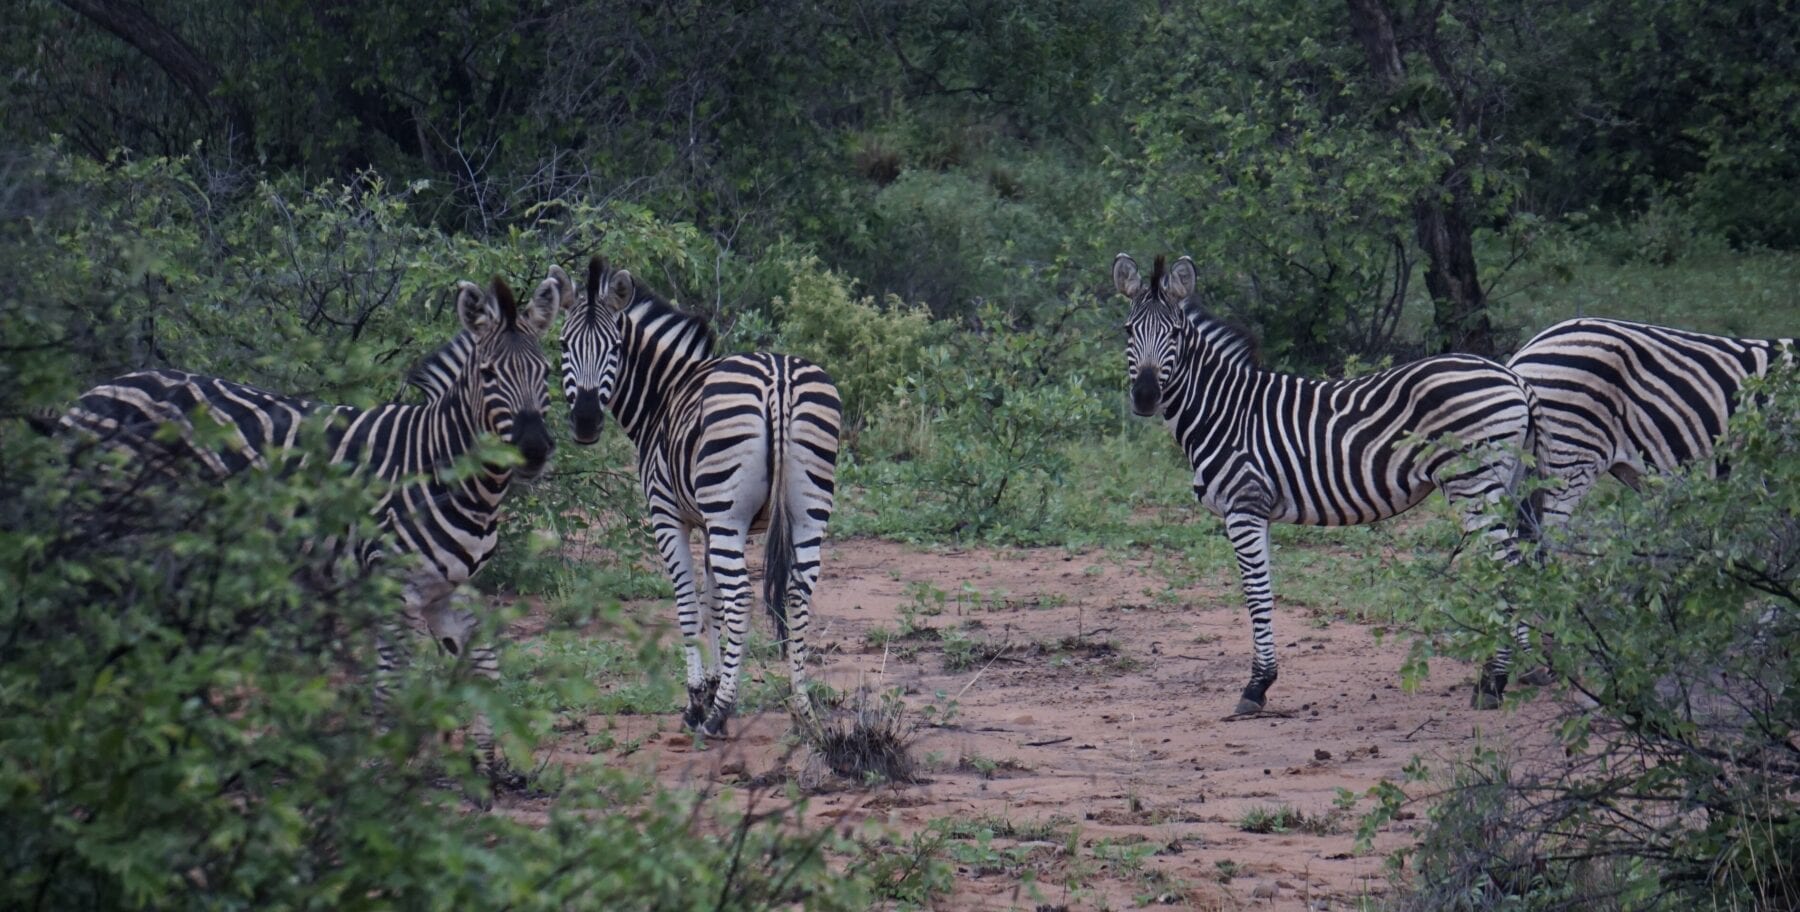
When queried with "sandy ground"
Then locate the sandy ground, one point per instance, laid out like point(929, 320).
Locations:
point(1107, 715)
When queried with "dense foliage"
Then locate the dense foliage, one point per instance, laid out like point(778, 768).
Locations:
point(923, 196)
point(1674, 618)
point(1335, 165)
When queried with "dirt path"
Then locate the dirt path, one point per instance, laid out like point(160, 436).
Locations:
point(1103, 717)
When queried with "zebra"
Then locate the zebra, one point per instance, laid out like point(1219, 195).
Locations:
point(1632, 398)
point(492, 378)
point(727, 446)
point(1271, 447)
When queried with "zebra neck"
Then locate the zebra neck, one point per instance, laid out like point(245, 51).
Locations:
point(446, 435)
point(665, 358)
point(1212, 394)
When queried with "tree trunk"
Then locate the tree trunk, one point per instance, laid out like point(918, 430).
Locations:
point(195, 74)
point(1459, 306)
point(1441, 215)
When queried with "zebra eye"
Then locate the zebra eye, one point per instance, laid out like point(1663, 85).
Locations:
point(488, 374)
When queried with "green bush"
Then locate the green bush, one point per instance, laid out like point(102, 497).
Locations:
point(983, 438)
point(1674, 619)
point(868, 349)
point(177, 733)
point(172, 708)
point(184, 712)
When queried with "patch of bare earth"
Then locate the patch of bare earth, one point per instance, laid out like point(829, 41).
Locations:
point(1097, 706)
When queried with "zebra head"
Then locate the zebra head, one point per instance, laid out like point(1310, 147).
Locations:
point(590, 349)
point(1154, 329)
point(510, 383)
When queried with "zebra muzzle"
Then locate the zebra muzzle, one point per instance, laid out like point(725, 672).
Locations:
point(585, 417)
point(532, 438)
point(1146, 394)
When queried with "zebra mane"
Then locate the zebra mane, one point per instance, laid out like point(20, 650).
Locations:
point(650, 304)
point(1230, 340)
point(596, 270)
point(509, 305)
point(437, 373)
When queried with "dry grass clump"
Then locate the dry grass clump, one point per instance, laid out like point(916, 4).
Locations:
point(866, 738)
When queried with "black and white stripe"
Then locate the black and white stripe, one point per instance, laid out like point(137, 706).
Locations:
point(590, 360)
point(726, 447)
point(492, 378)
point(1631, 398)
point(1269, 447)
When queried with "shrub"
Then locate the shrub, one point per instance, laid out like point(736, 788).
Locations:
point(184, 718)
point(868, 349)
point(997, 409)
point(1674, 619)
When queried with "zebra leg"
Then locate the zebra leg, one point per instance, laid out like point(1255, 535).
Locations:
point(678, 558)
point(393, 649)
point(713, 624)
point(808, 538)
point(1249, 534)
point(454, 626)
point(1472, 493)
point(731, 574)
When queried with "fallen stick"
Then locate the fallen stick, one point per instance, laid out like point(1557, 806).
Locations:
point(1049, 742)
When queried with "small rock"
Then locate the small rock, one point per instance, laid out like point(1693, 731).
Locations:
point(1264, 891)
point(731, 768)
point(1321, 755)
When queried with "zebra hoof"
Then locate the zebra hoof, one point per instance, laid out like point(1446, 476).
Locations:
point(504, 778)
point(692, 717)
point(714, 726)
point(1487, 694)
point(1248, 707)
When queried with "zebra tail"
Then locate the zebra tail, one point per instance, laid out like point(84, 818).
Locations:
point(1528, 524)
point(778, 558)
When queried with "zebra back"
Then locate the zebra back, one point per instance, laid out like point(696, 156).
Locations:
point(444, 368)
point(482, 381)
point(1630, 398)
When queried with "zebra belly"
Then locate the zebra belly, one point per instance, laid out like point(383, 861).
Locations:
point(1288, 504)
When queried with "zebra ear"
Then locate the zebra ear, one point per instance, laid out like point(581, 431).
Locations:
point(1125, 275)
point(1180, 283)
point(565, 287)
point(540, 312)
point(621, 290)
point(476, 310)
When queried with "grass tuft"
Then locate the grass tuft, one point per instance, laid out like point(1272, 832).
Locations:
point(869, 740)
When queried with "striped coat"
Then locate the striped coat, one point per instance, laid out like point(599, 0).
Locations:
point(1631, 399)
point(1270, 447)
point(440, 523)
point(727, 446)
